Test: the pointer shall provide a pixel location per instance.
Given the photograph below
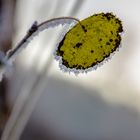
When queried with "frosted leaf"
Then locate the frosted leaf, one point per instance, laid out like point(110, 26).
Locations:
point(89, 43)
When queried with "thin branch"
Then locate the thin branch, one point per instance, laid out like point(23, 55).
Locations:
point(35, 29)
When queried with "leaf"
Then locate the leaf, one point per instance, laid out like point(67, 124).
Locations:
point(90, 41)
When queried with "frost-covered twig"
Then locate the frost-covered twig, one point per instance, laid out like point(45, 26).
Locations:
point(36, 29)
point(22, 110)
point(32, 32)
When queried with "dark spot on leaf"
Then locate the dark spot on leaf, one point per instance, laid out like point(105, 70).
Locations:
point(78, 45)
point(120, 29)
point(93, 64)
point(85, 30)
point(108, 16)
point(59, 52)
point(107, 43)
point(116, 40)
point(100, 39)
point(64, 62)
point(79, 67)
point(91, 51)
point(111, 32)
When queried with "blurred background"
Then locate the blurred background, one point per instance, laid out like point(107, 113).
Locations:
point(53, 105)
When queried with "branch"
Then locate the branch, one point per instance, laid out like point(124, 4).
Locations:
point(23, 108)
point(35, 29)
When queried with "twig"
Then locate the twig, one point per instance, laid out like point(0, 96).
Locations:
point(22, 110)
point(35, 29)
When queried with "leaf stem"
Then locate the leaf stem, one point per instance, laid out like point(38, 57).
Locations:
point(35, 28)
